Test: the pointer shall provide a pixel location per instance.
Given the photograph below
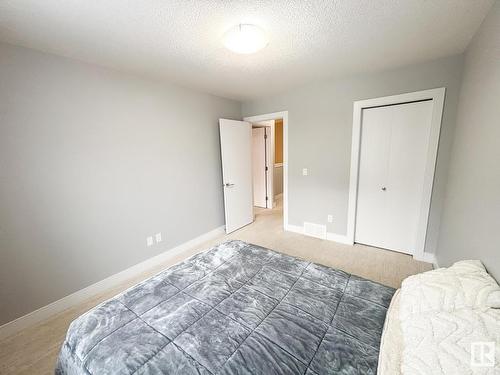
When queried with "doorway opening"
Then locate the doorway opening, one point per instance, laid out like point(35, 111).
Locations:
point(267, 163)
point(270, 181)
point(237, 170)
point(254, 166)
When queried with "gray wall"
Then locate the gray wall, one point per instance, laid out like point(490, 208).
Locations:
point(471, 218)
point(91, 162)
point(320, 124)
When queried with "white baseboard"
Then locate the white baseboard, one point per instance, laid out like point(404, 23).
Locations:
point(294, 228)
point(329, 236)
point(338, 238)
point(427, 257)
point(82, 295)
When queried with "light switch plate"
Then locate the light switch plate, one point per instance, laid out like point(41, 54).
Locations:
point(330, 218)
point(304, 171)
point(149, 241)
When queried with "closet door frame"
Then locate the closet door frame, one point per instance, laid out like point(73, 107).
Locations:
point(437, 96)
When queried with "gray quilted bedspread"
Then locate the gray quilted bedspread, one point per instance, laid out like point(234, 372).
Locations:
point(234, 309)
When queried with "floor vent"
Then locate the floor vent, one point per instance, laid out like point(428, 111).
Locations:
point(315, 230)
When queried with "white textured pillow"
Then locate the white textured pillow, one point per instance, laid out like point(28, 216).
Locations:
point(466, 284)
point(439, 343)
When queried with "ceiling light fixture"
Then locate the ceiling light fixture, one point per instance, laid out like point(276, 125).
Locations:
point(245, 38)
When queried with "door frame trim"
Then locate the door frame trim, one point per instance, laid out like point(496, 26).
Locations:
point(437, 96)
point(274, 116)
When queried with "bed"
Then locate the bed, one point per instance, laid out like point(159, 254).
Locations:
point(237, 308)
point(437, 318)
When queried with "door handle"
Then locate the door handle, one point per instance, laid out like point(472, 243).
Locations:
point(227, 184)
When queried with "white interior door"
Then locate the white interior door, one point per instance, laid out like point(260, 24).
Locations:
point(236, 153)
point(259, 167)
point(393, 156)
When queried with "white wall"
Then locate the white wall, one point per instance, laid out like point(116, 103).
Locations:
point(91, 162)
point(278, 180)
point(471, 219)
point(320, 124)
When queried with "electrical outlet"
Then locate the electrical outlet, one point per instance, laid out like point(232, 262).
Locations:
point(330, 218)
point(149, 241)
point(158, 237)
point(304, 171)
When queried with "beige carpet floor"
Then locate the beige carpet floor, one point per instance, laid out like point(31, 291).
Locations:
point(34, 350)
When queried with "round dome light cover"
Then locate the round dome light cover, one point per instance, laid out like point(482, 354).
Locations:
point(245, 38)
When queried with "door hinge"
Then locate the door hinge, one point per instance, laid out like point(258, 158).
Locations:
point(267, 168)
point(267, 198)
point(265, 136)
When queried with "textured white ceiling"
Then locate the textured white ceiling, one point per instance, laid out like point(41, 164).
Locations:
point(180, 40)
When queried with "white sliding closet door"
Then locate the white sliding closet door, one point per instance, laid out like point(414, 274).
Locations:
point(393, 156)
